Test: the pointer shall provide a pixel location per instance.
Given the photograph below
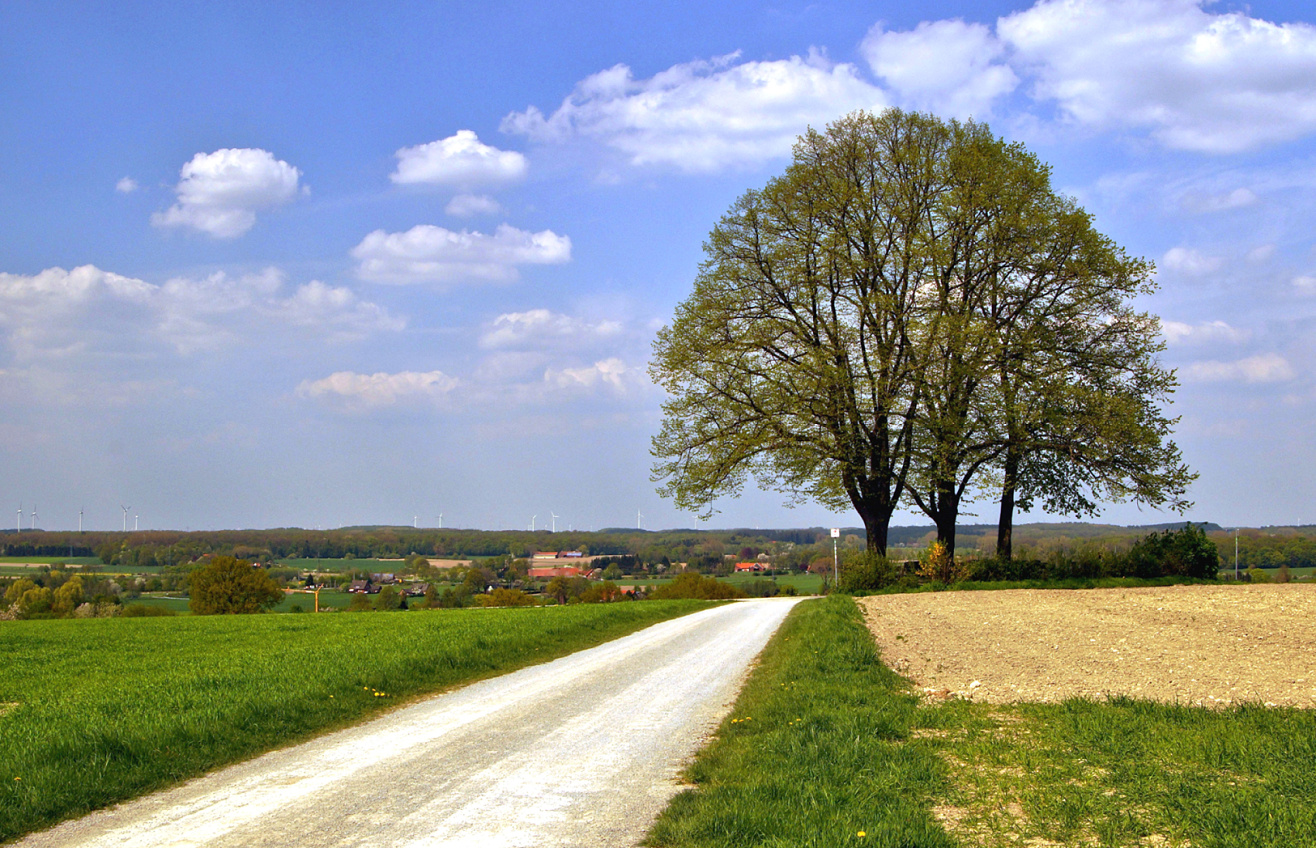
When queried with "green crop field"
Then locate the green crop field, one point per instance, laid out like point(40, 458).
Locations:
point(828, 747)
point(99, 710)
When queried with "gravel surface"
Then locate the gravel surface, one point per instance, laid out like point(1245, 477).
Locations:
point(1203, 645)
point(582, 751)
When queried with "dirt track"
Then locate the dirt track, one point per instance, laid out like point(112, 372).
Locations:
point(582, 752)
point(1204, 645)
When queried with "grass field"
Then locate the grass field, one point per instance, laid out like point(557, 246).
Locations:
point(95, 711)
point(827, 747)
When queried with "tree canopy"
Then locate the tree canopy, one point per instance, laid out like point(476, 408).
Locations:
point(911, 310)
point(229, 585)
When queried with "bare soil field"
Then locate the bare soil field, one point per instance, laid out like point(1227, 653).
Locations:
point(1200, 645)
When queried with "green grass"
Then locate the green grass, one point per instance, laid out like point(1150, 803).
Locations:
point(825, 742)
point(99, 710)
point(71, 561)
point(815, 750)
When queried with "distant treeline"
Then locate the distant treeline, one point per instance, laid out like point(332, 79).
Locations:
point(702, 549)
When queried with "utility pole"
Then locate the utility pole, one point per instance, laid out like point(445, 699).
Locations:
point(1235, 554)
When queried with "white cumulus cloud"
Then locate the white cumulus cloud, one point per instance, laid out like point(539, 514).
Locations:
point(1195, 79)
point(219, 193)
point(949, 67)
point(126, 185)
point(459, 160)
point(88, 312)
point(471, 205)
point(369, 391)
point(427, 253)
point(539, 327)
point(609, 373)
point(1262, 368)
point(1186, 260)
point(1208, 332)
point(704, 115)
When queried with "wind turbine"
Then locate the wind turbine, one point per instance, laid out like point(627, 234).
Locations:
point(414, 526)
point(125, 516)
point(555, 518)
point(34, 516)
point(532, 522)
point(79, 519)
point(20, 516)
point(135, 517)
point(638, 516)
point(440, 521)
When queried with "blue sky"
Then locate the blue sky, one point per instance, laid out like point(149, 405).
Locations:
point(327, 264)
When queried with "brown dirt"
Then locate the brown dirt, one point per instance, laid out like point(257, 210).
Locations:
point(1202, 645)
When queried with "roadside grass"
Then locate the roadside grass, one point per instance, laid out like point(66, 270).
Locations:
point(815, 752)
point(826, 742)
point(96, 711)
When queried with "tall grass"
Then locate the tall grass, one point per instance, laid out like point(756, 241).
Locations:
point(96, 711)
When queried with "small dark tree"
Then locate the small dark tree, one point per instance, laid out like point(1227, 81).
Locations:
point(229, 585)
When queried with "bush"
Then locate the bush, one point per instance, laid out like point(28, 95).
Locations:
point(865, 571)
point(1175, 553)
point(144, 611)
point(507, 598)
point(761, 588)
point(694, 585)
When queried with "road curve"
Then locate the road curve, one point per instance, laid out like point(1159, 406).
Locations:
point(581, 751)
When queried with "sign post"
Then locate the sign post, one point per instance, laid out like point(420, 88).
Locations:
point(836, 563)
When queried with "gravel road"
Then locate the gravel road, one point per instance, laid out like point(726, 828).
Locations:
point(582, 751)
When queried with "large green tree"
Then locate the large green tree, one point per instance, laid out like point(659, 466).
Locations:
point(795, 359)
point(229, 585)
point(910, 309)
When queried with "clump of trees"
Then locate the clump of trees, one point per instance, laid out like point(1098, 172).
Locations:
point(910, 313)
point(694, 585)
point(58, 594)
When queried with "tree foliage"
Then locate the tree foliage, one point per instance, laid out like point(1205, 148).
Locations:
point(910, 309)
point(228, 585)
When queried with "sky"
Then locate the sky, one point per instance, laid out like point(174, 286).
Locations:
point(326, 264)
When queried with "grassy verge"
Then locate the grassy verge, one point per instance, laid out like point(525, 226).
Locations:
point(825, 742)
point(96, 711)
point(815, 752)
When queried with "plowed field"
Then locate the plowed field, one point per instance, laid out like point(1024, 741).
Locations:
point(1203, 645)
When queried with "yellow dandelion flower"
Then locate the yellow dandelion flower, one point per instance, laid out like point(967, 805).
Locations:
point(862, 834)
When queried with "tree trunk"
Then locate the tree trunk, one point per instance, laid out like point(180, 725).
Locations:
point(1005, 525)
point(876, 515)
point(947, 512)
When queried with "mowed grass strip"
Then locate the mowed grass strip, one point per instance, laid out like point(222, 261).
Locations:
point(825, 743)
point(815, 752)
point(96, 711)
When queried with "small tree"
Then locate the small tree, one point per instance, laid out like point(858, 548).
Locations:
point(228, 585)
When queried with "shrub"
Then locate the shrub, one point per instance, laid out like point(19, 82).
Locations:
point(602, 593)
point(507, 598)
point(1180, 553)
point(144, 611)
point(359, 603)
point(937, 565)
point(694, 585)
point(761, 588)
point(865, 571)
